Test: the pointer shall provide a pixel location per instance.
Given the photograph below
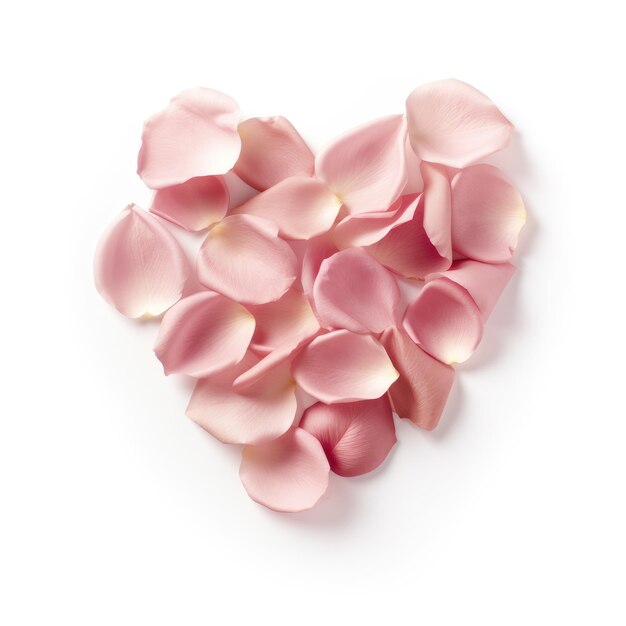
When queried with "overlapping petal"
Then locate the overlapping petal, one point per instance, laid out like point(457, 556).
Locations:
point(316, 251)
point(438, 209)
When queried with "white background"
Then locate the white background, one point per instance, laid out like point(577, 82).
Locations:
point(116, 509)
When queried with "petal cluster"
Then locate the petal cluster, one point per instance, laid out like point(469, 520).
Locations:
point(293, 317)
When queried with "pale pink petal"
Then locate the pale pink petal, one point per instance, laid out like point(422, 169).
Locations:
point(407, 249)
point(316, 251)
point(454, 124)
point(415, 180)
point(287, 321)
point(445, 321)
point(253, 415)
point(202, 334)
point(271, 150)
point(344, 367)
point(301, 207)
point(366, 166)
point(195, 204)
point(485, 282)
point(275, 366)
point(487, 214)
point(139, 268)
point(195, 135)
point(355, 292)
point(356, 436)
point(288, 474)
point(438, 209)
point(244, 259)
point(421, 391)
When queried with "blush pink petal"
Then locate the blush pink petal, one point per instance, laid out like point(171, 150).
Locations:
point(485, 282)
point(139, 268)
point(366, 166)
point(301, 207)
point(415, 181)
point(356, 436)
point(202, 334)
point(271, 150)
point(355, 292)
point(453, 124)
point(193, 205)
point(445, 321)
point(344, 367)
point(487, 214)
point(288, 474)
point(243, 258)
point(259, 413)
point(316, 251)
point(438, 209)
point(421, 391)
point(195, 135)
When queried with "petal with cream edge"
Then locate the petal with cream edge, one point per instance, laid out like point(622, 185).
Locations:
point(453, 124)
point(288, 474)
point(195, 135)
point(271, 150)
point(487, 214)
point(244, 259)
point(344, 367)
point(356, 436)
point(366, 167)
point(139, 268)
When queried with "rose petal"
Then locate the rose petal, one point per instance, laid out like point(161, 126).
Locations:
point(366, 166)
point(195, 135)
point(454, 124)
point(445, 321)
point(487, 214)
point(243, 258)
point(438, 209)
point(195, 204)
point(288, 474)
point(344, 367)
point(202, 334)
point(316, 251)
point(301, 207)
point(271, 150)
point(415, 180)
point(356, 436)
point(139, 268)
point(421, 391)
point(354, 292)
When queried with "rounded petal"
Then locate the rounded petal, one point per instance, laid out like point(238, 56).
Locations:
point(195, 135)
point(301, 207)
point(454, 124)
point(344, 367)
point(366, 166)
point(356, 436)
point(244, 259)
point(445, 321)
point(421, 391)
point(355, 292)
point(316, 251)
point(485, 282)
point(139, 268)
point(202, 334)
point(288, 474)
point(195, 204)
point(438, 209)
point(271, 150)
point(487, 214)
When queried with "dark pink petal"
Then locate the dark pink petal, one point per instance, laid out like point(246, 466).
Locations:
point(271, 150)
point(454, 124)
point(354, 292)
point(288, 474)
point(344, 367)
point(316, 251)
point(195, 135)
point(301, 207)
point(139, 268)
point(356, 436)
point(202, 334)
point(487, 214)
point(244, 259)
point(421, 391)
point(195, 204)
point(366, 166)
point(445, 321)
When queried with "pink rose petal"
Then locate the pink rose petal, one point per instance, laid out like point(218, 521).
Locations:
point(438, 209)
point(316, 251)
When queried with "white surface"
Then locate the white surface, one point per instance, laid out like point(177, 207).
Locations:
point(116, 509)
